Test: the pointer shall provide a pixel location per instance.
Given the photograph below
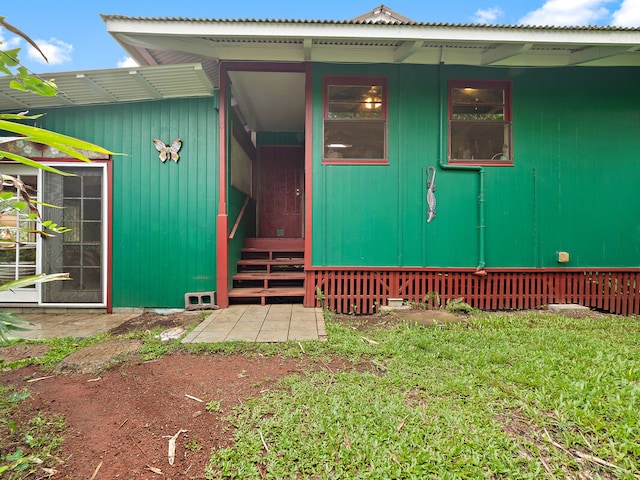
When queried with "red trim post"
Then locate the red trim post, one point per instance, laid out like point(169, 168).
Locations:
point(222, 219)
point(308, 183)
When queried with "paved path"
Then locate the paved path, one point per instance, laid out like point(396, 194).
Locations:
point(57, 325)
point(257, 323)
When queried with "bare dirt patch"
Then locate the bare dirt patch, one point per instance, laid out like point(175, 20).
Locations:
point(14, 353)
point(394, 317)
point(123, 418)
point(95, 358)
point(150, 321)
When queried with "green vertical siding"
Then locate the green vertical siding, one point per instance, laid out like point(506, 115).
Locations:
point(572, 188)
point(579, 134)
point(163, 214)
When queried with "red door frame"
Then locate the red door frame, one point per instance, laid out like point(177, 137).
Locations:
point(222, 219)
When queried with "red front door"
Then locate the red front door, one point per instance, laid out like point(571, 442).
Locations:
point(280, 191)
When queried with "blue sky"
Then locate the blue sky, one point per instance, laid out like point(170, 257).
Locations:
point(74, 37)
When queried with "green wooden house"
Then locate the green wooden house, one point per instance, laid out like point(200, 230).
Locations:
point(343, 163)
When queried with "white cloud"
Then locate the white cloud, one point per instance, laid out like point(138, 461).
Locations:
point(488, 15)
point(8, 43)
point(628, 15)
point(127, 62)
point(56, 51)
point(568, 12)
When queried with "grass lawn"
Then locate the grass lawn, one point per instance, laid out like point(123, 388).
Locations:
point(528, 395)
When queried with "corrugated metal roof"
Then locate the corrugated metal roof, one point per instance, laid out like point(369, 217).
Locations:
point(411, 23)
point(112, 85)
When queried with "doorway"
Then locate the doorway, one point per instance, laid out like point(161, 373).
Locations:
point(80, 202)
point(280, 191)
point(268, 104)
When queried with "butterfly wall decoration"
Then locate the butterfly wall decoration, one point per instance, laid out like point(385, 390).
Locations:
point(170, 151)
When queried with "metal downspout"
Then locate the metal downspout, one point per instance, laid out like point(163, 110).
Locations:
point(473, 168)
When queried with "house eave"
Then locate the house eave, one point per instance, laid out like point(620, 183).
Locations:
point(366, 42)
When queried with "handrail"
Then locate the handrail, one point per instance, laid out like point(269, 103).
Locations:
point(239, 219)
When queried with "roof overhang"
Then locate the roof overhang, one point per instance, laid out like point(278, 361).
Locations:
point(94, 87)
point(165, 40)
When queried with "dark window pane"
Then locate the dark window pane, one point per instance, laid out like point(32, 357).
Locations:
point(92, 187)
point(7, 255)
point(72, 186)
point(92, 209)
point(74, 235)
point(477, 95)
point(31, 182)
point(7, 273)
point(91, 255)
point(480, 141)
point(75, 281)
point(355, 139)
point(91, 279)
point(27, 254)
point(354, 101)
point(71, 211)
point(71, 256)
point(91, 232)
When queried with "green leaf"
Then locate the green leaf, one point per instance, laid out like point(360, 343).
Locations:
point(40, 87)
point(23, 73)
point(32, 280)
point(32, 163)
point(10, 57)
point(17, 455)
point(17, 86)
point(46, 137)
point(14, 116)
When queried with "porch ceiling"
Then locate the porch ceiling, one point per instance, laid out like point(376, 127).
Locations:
point(113, 85)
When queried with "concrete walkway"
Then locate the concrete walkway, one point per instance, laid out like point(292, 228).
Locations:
point(258, 323)
point(57, 325)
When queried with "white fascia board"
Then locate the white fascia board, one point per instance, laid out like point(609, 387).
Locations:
point(252, 30)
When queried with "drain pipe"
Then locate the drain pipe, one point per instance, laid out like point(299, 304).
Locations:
point(469, 168)
point(481, 222)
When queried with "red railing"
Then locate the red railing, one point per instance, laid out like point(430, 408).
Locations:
point(362, 291)
point(240, 216)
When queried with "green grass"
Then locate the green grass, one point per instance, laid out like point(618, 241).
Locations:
point(511, 396)
point(59, 348)
point(28, 445)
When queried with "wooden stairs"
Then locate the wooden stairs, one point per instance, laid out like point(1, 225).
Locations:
point(270, 270)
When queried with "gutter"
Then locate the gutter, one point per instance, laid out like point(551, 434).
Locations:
point(465, 168)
